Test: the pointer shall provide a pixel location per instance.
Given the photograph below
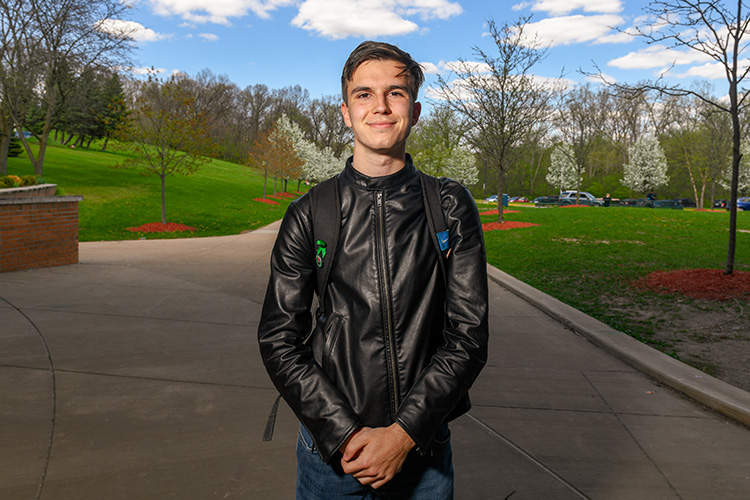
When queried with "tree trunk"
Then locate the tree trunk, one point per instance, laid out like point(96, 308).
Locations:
point(106, 141)
point(736, 154)
point(163, 201)
point(500, 188)
point(4, 148)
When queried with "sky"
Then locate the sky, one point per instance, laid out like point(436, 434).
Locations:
point(281, 43)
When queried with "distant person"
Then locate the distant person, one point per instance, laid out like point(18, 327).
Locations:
point(606, 200)
point(396, 342)
point(651, 196)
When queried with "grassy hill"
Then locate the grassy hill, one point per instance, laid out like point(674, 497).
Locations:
point(587, 257)
point(216, 200)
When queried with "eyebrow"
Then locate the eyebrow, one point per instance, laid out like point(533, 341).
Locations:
point(369, 89)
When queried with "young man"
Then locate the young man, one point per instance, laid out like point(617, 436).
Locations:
point(396, 342)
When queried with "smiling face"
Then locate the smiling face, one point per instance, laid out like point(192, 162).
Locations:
point(380, 111)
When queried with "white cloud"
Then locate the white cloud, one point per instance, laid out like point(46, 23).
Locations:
point(339, 19)
point(572, 29)
point(430, 68)
point(330, 18)
point(562, 7)
point(129, 29)
point(209, 37)
point(710, 71)
point(147, 71)
point(466, 67)
point(658, 56)
point(216, 11)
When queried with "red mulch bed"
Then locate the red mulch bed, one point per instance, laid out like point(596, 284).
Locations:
point(575, 206)
point(495, 226)
point(287, 195)
point(158, 227)
point(704, 284)
point(266, 200)
point(495, 212)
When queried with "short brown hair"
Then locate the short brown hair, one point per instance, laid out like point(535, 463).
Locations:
point(381, 51)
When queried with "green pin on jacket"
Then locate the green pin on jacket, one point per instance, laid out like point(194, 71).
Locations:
point(320, 253)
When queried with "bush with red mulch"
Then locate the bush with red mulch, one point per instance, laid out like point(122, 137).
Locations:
point(494, 226)
point(158, 227)
point(496, 212)
point(266, 200)
point(704, 284)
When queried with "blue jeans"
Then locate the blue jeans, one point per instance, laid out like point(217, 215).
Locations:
point(427, 477)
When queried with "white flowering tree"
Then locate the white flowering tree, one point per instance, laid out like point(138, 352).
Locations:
point(462, 167)
point(647, 169)
point(743, 177)
point(319, 164)
point(563, 170)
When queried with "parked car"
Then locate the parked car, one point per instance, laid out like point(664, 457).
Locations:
point(519, 199)
point(492, 199)
point(546, 200)
point(584, 198)
point(721, 204)
point(686, 202)
point(743, 203)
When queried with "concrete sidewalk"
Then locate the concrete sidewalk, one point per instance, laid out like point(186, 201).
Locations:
point(135, 375)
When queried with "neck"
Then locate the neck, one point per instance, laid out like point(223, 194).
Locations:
point(377, 165)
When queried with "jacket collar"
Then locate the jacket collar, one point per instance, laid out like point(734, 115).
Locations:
point(352, 175)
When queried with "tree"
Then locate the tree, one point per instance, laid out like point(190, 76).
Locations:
point(167, 135)
point(743, 179)
point(647, 169)
point(274, 153)
point(717, 32)
point(41, 40)
point(329, 130)
point(438, 147)
point(317, 164)
point(563, 169)
point(499, 98)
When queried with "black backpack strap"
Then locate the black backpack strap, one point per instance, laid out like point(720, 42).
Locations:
point(325, 207)
point(435, 217)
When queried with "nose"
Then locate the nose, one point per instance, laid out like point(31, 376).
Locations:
point(381, 104)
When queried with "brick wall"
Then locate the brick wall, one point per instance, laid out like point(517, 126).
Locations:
point(38, 232)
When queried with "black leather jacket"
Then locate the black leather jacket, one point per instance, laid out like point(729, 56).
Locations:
point(396, 344)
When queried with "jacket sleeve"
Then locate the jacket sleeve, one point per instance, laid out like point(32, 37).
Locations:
point(286, 321)
point(445, 382)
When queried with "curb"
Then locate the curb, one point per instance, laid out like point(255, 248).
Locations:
point(712, 392)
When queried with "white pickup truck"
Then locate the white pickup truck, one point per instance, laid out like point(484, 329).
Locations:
point(584, 198)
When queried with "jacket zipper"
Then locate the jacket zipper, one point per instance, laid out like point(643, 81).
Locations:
point(390, 346)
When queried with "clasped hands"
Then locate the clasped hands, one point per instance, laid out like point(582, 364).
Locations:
point(374, 455)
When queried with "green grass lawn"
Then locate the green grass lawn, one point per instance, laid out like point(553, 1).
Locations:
point(587, 257)
point(216, 200)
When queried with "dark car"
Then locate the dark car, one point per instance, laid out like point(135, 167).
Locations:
point(721, 204)
point(743, 203)
point(546, 200)
point(686, 202)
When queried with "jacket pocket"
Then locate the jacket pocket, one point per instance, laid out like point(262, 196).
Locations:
point(331, 333)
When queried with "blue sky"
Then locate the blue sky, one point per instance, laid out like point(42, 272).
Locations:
point(288, 42)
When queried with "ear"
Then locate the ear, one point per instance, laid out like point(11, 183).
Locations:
point(415, 113)
point(345, 114)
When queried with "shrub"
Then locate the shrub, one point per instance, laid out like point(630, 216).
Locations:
point(28, 180)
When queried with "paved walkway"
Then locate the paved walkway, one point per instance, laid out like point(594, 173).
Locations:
point(135, 375)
